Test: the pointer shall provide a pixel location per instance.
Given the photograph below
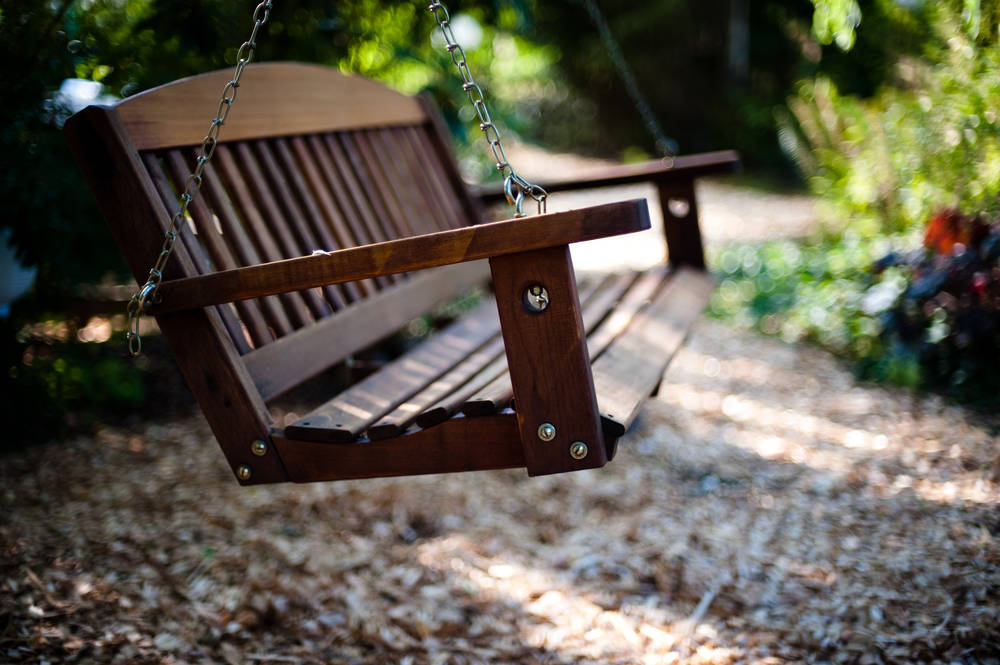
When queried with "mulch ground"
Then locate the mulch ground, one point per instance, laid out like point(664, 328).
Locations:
point(766, 510)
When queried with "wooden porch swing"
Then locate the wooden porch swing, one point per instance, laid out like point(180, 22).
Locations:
point(542, 375)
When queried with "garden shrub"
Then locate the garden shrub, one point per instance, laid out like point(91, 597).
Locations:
point(897, 280)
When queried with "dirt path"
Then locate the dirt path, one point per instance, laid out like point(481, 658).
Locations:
point(766, 510)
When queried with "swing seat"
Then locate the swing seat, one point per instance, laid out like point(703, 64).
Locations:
point(332, 215)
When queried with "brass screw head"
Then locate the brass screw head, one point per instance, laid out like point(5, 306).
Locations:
point(546, 431)
point(259, 447)
point(578, 450)
point(243, 472)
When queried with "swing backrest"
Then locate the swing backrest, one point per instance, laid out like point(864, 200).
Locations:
point(309, 160)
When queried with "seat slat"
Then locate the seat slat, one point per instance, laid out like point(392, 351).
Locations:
point(292, 359)
point(266, 240)
point(632, 366)
point(497, 395)
point(595, 299)
point(346, 416)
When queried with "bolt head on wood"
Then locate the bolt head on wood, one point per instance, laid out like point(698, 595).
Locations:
point(546, 431)
point(578, 450)
point(536, 298)
point(259, 447)
point(243, 472)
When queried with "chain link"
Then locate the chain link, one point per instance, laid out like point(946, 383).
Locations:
point(146, 296)
point(514, 186)
point(666, 145)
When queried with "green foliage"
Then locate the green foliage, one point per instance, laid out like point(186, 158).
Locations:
point(886, 163)
point(883, 168)
point(835, 21)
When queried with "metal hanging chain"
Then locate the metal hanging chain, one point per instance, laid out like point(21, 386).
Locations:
point(666, 145)
point(514, 186)
point(146, 296)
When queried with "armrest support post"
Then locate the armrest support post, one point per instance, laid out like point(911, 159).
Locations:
point(548, 361)
point(680, 223)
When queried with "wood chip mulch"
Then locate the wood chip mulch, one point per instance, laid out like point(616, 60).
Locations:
point(766, 510)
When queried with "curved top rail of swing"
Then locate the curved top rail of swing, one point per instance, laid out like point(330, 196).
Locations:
point(274, 99)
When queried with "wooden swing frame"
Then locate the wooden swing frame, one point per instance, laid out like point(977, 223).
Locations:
point(366, 175)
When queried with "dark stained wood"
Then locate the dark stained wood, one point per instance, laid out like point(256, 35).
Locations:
point(496, 395)
point(410, 217)
point(129, 201)
point(628, 371)
point(265, 240)
point(395, 423)
point(315, 223)
point(547, 360)
point(460, 444)
point(332, 197)
point(189, 249)
point(279, 224)
point(242, 246)
point(291, 360)
point(305, 241)
point(375, 184)
point(367, 177)
point(450, 405)
point(346, 416)
point(217, 248)
point(421, 157)
point(406, 254)
point(680, 226)
point(275, 99)
point(684, 167)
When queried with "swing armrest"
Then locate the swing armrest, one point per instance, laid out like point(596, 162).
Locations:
point(468, 243)
point(686, 167)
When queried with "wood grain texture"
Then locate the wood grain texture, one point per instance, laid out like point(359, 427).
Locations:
point(460, 444)
point(680, 225)
point(406, 254)
point(275, 99)
point(684, 167)
point(547, 360)
point(287, 362)
point(343, 418)
point(129, 201)
point(489, 397)
point(630, 369)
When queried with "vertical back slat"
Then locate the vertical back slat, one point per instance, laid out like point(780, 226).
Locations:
point(260, 233)
point(422, 164)
point(328, 189)
point(305, 241)
point(436, 172)
point(365, 192)
point(312, 216)
point(404, 220)
point(276, 221)
point(189, 249)
point(221, 256)
point(409, 177)
point(244, 249)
